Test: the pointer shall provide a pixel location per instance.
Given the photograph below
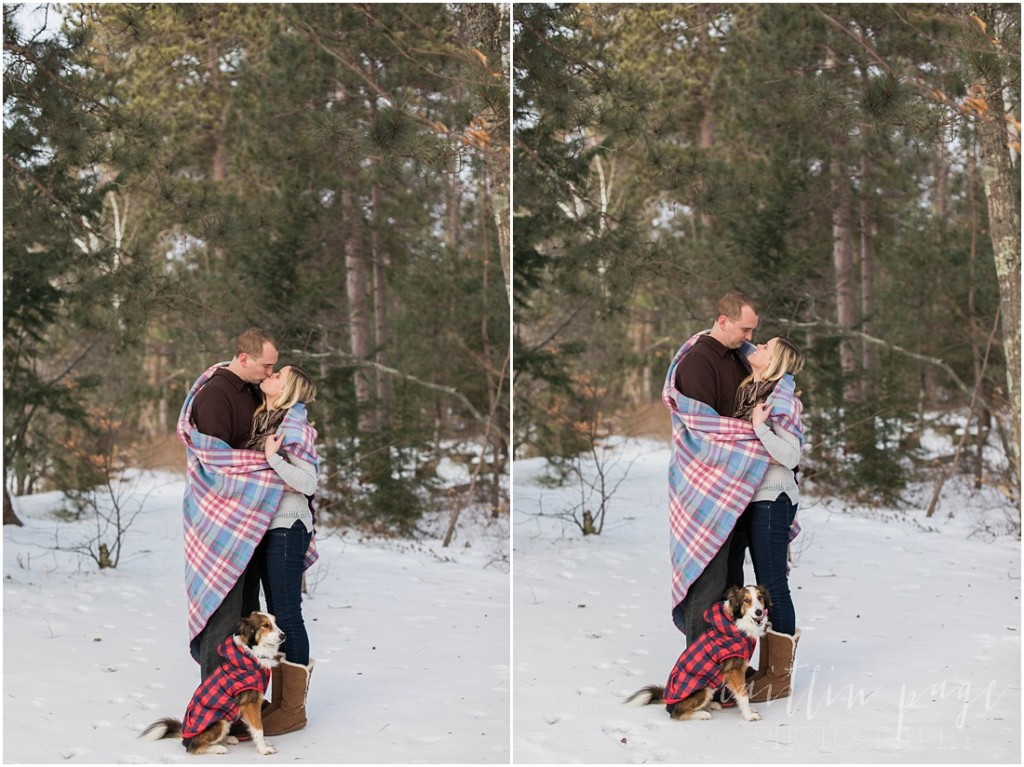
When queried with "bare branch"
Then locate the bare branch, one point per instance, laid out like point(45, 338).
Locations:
point(349, 359)
point(942, 364)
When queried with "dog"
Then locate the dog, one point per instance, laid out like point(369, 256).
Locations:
point(234, 691)
point(720, 655)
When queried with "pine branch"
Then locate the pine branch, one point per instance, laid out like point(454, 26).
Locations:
point(970, 107)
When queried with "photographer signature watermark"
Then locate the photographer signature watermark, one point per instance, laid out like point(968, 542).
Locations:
point(957, 701)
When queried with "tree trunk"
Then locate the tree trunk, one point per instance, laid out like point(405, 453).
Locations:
point(219, 159)
point(484, 32)
point(707, 102)
point(842, 253)
point(869, 354)
point(842, 260)
point(1003, 194)
point(1001, 180)
point(1002, 190)
point(358, 310)
point(10, 518)
point(380, 312)
point(985, 416)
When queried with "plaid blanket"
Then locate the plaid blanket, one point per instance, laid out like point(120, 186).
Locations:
point(717, 465)
point(231, 497)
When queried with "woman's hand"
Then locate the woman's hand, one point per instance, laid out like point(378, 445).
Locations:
point(759, 414)
point(273, 444)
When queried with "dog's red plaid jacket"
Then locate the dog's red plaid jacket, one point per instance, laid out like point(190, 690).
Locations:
point(698, 666)
point(215, 698)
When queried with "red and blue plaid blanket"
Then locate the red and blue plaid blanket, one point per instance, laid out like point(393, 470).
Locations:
point(717, 465)
point(231, 497)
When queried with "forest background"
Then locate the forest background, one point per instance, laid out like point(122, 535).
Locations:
point(336, 174)
point(339, 175)
point(854, 168)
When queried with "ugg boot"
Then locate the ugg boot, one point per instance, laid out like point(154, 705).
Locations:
point(290, 715)
point(753, 674)
point(276, 683)
point(774, 676)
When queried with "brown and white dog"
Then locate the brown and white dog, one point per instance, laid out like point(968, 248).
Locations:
point(720, 656)
point(233, 692)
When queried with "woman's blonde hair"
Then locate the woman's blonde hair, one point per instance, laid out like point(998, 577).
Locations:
point(786, 358)
point(298, 387)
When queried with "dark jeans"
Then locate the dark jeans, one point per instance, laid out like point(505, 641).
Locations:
point(281, 554)
point(737, 555)
point(243, 598)
point(709, 588)
point(767, 523)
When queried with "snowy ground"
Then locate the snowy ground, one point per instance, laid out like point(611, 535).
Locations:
point(411, 643)
point(911, 645)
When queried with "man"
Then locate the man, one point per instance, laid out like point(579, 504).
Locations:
point(714, 368)
point(224, 409)
point(711, 372)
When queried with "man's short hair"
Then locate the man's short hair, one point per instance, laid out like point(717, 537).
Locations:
point(732, 303)
point(251, 342)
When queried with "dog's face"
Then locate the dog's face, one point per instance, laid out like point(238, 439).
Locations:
point(260, 634)
point(748, 608)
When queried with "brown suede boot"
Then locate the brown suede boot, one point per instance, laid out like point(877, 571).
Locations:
point(753, 674)
point(774, 677)
point(290, 715)
point(276, 682)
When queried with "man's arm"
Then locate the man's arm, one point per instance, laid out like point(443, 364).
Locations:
point(697, 379)
point(212, 413)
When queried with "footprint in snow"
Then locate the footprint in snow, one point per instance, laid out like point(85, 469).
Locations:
point(556, 718)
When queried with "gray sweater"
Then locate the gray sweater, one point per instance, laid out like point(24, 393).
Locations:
point(301, 477)
point(784, 448)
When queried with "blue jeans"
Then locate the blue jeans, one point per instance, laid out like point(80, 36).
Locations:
point(281, 554)
point(767, 526)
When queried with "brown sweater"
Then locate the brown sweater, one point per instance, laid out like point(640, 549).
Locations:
point(711, 373)
point(224, 407)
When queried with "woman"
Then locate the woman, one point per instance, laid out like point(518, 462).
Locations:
point(281, 554)
point(768, 518)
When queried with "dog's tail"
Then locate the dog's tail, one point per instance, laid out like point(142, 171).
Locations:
point(162, 728)
point(647, 696)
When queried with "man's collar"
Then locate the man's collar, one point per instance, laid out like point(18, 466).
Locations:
point(715, 345)
point(232, 378)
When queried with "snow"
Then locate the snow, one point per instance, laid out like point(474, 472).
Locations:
point(411, 642)
point(910, 648)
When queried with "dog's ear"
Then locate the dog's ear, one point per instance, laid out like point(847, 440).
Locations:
point(734, 602)
point(765, 596)
point(247, 629)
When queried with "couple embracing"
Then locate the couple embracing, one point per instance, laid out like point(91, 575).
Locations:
point(737, 439)
point(249, 512)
